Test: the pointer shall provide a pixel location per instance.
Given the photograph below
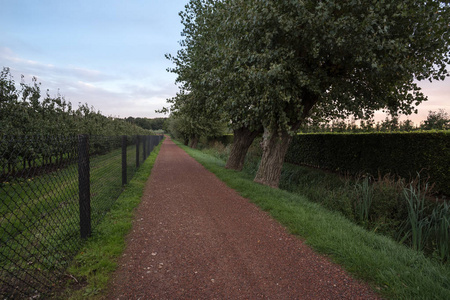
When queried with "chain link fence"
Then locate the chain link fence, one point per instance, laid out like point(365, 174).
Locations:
point(53, 191)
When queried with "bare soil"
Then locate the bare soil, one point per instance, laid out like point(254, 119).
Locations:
point(195, 238)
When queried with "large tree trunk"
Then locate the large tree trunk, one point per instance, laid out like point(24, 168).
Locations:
point(243, 138)
point(274, 147)
point(194, 141)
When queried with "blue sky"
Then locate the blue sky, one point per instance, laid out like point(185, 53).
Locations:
point(110, 53)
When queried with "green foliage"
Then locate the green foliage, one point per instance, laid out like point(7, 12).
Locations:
point(440, 218)
point(417, 227)
point(439, 120)
point(365, 195)
point(183, 127)
point(436, 120)
point(177, 127)
point(192, 106)
point(149, 124)
point(223, 139)
point(26, 111)
point(403, 154)
point(313, 125)
point(273, 63)
point(426, 231)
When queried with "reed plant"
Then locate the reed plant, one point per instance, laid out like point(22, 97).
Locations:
point(441, 230)
point(417, 227)
point(365, 195)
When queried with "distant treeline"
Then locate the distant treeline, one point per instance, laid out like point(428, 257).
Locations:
point(436, 120)
point(150, 124)
point(25, 110)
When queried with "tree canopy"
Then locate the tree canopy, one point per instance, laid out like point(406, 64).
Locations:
point(272, 63)
point(439, 120)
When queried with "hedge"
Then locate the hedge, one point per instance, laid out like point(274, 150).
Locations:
point(399, 153)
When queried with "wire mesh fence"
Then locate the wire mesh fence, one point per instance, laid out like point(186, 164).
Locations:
point(44, 181)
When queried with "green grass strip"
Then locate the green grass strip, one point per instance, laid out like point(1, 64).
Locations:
point(393, 270)
point(97, 260)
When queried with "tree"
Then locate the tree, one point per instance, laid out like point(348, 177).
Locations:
point(213, 95)
point(146, 123)
point(176, 126)
point(439, 120)
point(346, 57)
point(406, 125)
point(339, 57)
point(390, 124)
point(191, 104)
point(367, 125)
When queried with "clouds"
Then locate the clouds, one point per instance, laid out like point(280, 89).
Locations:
point(112, 94)
point(438, 93)
point(39, 69)
point(109, 53)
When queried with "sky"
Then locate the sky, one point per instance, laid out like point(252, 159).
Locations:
point(111, 54)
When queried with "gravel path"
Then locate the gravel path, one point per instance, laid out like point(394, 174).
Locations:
point(195, 238)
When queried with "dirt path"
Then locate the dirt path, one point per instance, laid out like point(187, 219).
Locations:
point(195, 238)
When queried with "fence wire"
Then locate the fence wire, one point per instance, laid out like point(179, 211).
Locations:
point(40, 210)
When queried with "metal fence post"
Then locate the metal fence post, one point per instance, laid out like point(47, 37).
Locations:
point(137, 151)
point(152, 146)
point(153, 142)
point(144, 143)
point(84, 186)
point(124, 159)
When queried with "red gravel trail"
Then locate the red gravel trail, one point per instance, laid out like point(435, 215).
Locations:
point(195, 238)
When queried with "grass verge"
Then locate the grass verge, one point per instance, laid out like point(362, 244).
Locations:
point(93, 266)
point(393, 270)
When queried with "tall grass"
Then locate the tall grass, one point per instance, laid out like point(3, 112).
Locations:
point(417, 228)
point(427, 227)
point(440, 218)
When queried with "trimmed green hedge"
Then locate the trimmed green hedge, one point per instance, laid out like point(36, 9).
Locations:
point(403, 154)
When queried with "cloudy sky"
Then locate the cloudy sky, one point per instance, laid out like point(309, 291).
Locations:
point(110, 53)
